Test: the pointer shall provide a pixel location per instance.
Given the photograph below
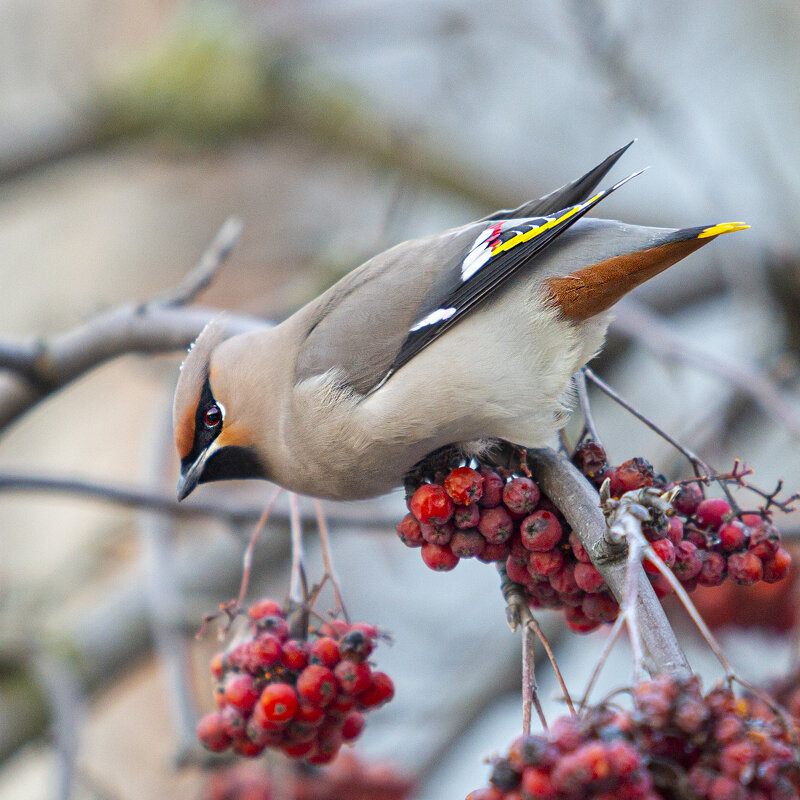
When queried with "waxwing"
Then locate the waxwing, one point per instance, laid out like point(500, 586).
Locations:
point(461, 338)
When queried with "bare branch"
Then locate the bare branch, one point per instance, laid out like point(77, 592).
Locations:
point(234, 513)
point(580, 504)
point(199, 278)
point(648, 328)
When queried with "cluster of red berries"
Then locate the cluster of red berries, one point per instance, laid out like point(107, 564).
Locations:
point(304, 696)
point(717, 747)
point(706, 541)
point(348, 777)
point(479, 513)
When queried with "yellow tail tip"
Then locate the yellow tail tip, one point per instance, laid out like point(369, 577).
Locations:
point(723, 227)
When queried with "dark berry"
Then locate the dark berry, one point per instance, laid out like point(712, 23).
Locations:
point(467, 544)
point(688, 499)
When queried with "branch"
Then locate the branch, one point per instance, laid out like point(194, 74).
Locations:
point(580, 504)
point(132, 497)
point(649, 329)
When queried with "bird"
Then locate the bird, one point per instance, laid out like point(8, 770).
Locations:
point(460, 339)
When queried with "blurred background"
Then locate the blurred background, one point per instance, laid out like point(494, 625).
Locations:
point(129, 131)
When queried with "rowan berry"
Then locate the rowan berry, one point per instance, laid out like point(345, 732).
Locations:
point(354, 677)
point(409, 531)
point(465, 517)
point(600, 607)
point(438, 557)
point(464, 485)
point(431, 504)
point(543, 565)
point(711, 512)
point(241, 692)
point(295, 655)
point(777, 566)
point(492, 488)
point(578, 621)
point(211, 732)
point(352, 726)
point(665, 550)
point(278, 702)
point(712, 571)
point(265, 608)
point(467, 544)
point(688, 562)
point(496, 525)
point(732, 536)
point(588, 578)
point(520, 496)
point(437, 534)
point(317, 685)
point(540, 531)
point(578, 550)
point(745, 568)
point(380, 691)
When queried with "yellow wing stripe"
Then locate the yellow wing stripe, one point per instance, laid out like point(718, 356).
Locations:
point(723, 227)
point(528, 235)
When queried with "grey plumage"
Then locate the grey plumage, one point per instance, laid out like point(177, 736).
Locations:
point(322, 404)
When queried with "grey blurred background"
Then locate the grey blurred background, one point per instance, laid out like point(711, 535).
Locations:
point(130, 130)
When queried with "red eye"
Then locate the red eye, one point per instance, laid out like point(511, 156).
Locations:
point(213, 416)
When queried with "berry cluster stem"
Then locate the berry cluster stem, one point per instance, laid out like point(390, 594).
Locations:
point(580, 504)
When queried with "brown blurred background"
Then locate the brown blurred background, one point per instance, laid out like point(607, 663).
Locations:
point(130, 130)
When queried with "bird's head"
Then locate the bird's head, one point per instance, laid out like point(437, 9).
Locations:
point(213, 440)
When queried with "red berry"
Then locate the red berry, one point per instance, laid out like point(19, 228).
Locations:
point(777, 566)
point(380, 691)
point(353, 676)
point(437, 534)
point(278, 702)
point(675, 530)
point(732, 536)
point(578, 621)
point(217, 665)
point(711, 511)
point(356, 645)
point(264, 651)
point(564, 580)
point(324, 651)
point(521, 495)
point(712, 572)
point(308, 712)
point(211, 732)
point(536, 783)
point(328, 746)
point(370, 631)
point(465, 517)
point(494, 552)
point(496, 525)
point(275, 625)
point(687, 561)
point(466, 544)
point(688, 498)
point(578, 549)
point(299, 749)
point(439, 558)
point(543, 565)
point(764, 540)
point(589, 579)
point(517, 571)
point(540, 531)
point(629, 476)
point(408, 529)
point(600, 607)
point(241, 693)
point(317, 685)
point(492, 488)
point(464, 485)
point(265, 608)
point(244, 747)
point(295, 655)
point(665, 550)
point(352, 726)
point(745, 568)
point(431, 503)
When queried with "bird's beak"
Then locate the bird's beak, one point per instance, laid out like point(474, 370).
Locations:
point(191, 474)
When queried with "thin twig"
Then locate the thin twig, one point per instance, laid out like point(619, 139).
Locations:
point(200, 276)
point(297, 588)
point(327, 560)
point(534, 623)
point(529, 687)
point(629, 606)
point(611, 640)
point(247, 558)
point(586, 408)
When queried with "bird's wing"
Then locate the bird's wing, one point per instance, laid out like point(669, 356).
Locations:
point(568, 195)
point(499, 251)
point(370, 323)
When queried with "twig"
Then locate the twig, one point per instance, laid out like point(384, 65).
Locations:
point(298, 591)
point(518, 615)
point(613, 635)
point(132, 497)
point(701, 469)
point(586, 408)
point(534, 623)
point(637, 322)
point(327, 560)
point(579, 503)
point(247, 558)
point(629, 604)
point(200, 276)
